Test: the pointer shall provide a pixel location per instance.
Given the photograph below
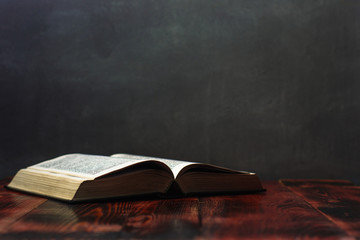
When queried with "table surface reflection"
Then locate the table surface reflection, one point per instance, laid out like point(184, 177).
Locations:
point(302, 209)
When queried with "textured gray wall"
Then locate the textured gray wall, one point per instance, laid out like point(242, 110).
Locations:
point(266, 86)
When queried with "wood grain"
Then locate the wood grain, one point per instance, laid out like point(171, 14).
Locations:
point(338, 200)
point(127, 219)
point(14, 205)
point(279, 213)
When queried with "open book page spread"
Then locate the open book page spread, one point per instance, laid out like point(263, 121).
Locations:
point(174, 165)
point(84, 165)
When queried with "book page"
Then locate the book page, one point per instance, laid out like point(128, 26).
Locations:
point(174, 165)
point(84, 165)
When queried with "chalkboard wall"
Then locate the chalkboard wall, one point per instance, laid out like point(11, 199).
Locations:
point(270, 86)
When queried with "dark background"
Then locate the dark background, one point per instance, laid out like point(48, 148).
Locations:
point(266, 86)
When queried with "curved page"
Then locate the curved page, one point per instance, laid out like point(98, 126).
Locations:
point(86, 166)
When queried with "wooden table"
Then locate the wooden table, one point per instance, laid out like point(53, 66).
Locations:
point(301, 209)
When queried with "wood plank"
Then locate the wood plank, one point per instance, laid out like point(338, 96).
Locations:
point(14, 205)
point(33, 217)
point(122, 219)
point(278, 213)
point(173, 218)
point(338, 200)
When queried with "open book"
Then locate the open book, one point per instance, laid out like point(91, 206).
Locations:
point(79, 177)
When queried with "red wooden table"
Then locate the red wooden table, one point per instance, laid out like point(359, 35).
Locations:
point(301, 209)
